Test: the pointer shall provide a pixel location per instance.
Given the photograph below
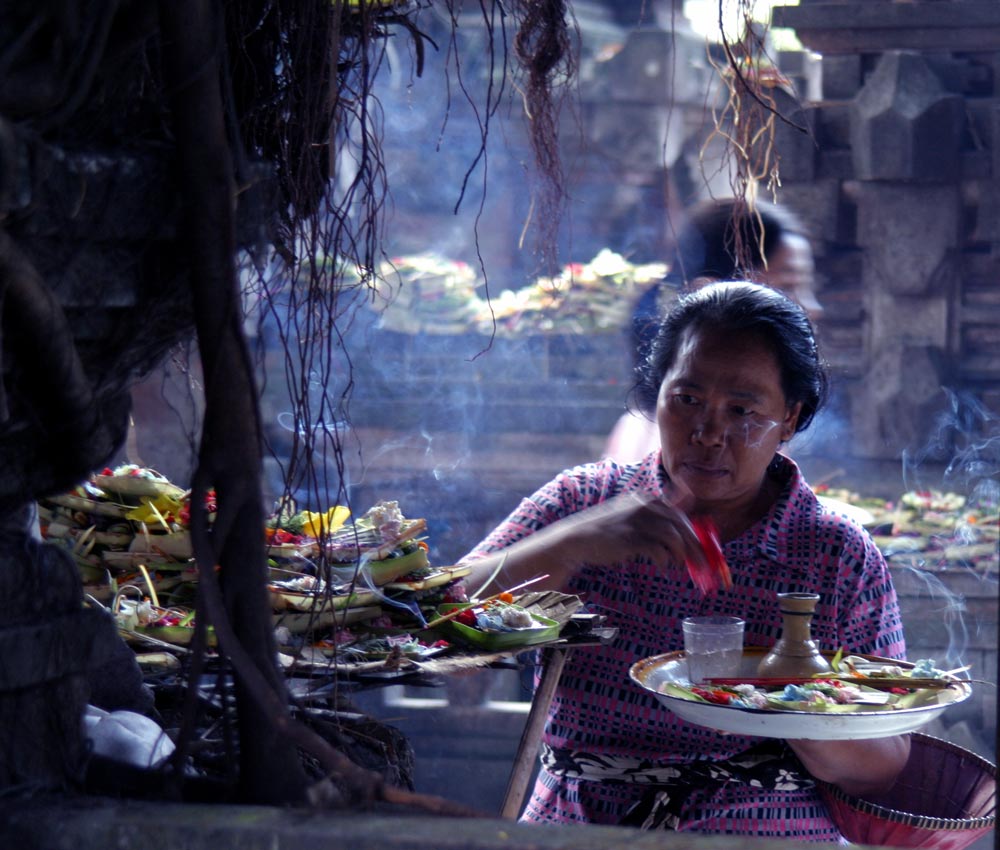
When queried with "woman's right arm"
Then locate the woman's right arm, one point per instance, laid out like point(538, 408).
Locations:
point(621, 528)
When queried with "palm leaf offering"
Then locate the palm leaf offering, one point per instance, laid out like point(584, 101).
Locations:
point(334, 582)
point(142, 621)
point(431, 294)
point(551, 604)
point(133, 480)
point(931, 529)
point(117, 530)
point(854, 685)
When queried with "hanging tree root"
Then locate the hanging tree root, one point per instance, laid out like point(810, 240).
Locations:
point(234, 599)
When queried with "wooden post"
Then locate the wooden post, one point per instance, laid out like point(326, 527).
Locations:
point(553, 659)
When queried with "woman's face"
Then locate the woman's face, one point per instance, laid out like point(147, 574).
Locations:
point(791, 270)
point(722, 415)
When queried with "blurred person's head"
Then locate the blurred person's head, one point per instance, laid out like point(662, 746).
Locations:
point(729, 239)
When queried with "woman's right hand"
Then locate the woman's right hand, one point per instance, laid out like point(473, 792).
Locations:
point(629, 526)
point(619, 529)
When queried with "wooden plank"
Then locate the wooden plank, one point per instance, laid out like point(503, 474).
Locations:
point(938, 17)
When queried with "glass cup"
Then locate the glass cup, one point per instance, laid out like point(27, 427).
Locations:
point(713, 647)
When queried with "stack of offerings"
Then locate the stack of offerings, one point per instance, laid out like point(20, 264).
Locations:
point(369, 582)
point(120, 520)
point(128, 532)
point(932, 530)
point(429, 294)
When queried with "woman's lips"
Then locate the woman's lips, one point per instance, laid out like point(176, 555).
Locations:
point(706, 470)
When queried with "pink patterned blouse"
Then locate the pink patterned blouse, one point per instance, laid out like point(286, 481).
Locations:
point(597, 711)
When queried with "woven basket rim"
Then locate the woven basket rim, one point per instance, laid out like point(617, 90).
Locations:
point(924, 821)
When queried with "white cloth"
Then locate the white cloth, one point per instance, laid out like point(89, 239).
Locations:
point(126, 736)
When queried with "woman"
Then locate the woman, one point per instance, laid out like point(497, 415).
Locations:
point(724, 239)
point(735, 373)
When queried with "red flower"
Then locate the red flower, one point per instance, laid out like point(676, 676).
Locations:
point(466, 618)
point(715, 574)
point(718, 696)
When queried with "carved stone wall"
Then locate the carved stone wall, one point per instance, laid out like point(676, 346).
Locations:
point(900, 190)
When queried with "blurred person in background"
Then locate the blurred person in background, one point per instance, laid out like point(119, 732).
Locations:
point(724, 239)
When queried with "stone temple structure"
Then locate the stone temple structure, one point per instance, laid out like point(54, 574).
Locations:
point(890, 154)
point(899, 183)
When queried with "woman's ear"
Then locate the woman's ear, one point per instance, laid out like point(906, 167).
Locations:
point(790, 421)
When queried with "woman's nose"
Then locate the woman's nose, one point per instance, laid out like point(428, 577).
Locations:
point(709, 431)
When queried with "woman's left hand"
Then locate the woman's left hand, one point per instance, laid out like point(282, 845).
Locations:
point(856, 767)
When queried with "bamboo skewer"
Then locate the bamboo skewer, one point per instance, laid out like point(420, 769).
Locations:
point(823, 479)
point(452, 614)
point(876, 682)
point(493, 575)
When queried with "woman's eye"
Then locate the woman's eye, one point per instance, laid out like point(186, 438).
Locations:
point(685, 399)
point(743, 412)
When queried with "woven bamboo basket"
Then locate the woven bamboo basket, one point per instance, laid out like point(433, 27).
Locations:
point(945, 799)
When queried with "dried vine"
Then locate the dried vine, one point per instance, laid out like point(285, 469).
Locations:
point(332, 174)
point(319, 121)
point(747, 121)
point(545, 52)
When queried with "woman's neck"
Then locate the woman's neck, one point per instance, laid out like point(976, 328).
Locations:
point(732, 525)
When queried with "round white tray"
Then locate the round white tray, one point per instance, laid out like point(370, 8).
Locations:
point(649, 673)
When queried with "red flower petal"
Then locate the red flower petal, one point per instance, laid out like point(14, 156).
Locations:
point(715, 574)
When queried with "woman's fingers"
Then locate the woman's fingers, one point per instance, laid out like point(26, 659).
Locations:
point(631, 525)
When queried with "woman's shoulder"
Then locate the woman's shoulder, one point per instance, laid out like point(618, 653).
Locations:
point(842, 531)
point(632, 438)
point(608, 477)
point(805, 509)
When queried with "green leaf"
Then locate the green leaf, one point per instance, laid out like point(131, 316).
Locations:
point(835, 662)
point(822, 707)
point(917, 698)
point(673, 690)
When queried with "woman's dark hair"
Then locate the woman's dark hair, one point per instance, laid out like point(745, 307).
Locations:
point(738, 306)
point(723, 239)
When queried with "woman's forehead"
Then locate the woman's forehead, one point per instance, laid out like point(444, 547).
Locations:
point(708, 348)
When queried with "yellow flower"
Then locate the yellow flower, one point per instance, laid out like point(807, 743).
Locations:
point(316, 523)
point(155, 511)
